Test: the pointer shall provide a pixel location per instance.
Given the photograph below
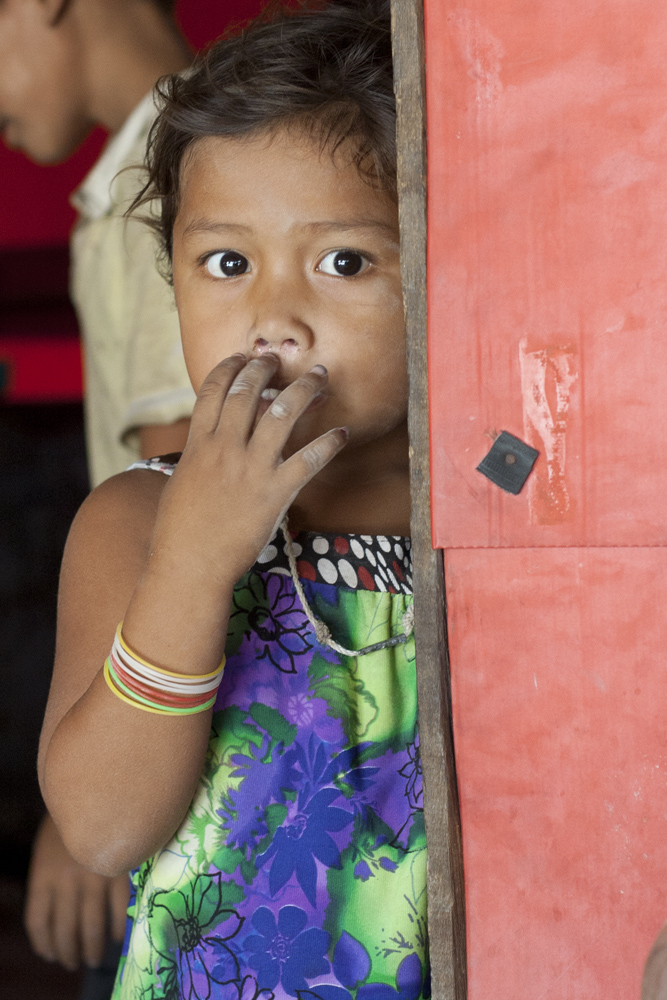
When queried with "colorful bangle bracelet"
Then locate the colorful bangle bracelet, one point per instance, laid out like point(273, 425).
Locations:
point(128, 696)
point(153, 689)
point(168, 673)
point(153, 697)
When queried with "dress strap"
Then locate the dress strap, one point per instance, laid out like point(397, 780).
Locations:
point(322, 632)
point(165, 464)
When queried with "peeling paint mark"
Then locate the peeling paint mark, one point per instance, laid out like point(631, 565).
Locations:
point(482, 52)
point(547, 377)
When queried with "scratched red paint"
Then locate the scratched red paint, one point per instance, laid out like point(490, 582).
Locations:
point(548, 375)
point(547, 126)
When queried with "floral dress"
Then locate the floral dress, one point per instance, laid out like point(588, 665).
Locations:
point(300, 867)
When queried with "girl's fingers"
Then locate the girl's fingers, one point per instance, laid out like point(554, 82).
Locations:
point(306, 463)
point(212, 394)
point(278, 422)
point(243, 396)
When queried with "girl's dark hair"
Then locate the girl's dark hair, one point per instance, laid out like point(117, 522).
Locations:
point(323, 68)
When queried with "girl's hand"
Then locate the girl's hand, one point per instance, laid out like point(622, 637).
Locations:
point(232, 488)
point(118, 781)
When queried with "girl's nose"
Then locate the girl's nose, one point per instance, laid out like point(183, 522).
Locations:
point(281, 321)
point(277, 345)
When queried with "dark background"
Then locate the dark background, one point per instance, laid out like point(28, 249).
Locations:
point(43, 479)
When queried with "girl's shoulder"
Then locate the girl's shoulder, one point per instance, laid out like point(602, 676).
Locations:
point(123, 508)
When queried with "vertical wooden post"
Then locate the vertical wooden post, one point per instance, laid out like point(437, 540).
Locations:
point(446, 903)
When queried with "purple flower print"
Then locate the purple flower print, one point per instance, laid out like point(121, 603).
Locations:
point(324, 992)
point(265, 781)
point(285, 952)
point(362, 871)
point(276, 623)
point(369, 864)
point(296, 846)
point(300, 709)
point(304, 837)
point(409, 982)
point(351, 965)
point(323, 766)
point(351, 961)
point(244, 989)
point(297, 703)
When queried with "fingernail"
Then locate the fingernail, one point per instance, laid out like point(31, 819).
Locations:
point(345, 432)
point(319, 370)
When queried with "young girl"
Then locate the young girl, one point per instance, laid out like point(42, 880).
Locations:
point(246, 738)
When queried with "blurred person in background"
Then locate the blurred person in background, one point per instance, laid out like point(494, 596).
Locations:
point(65, 67)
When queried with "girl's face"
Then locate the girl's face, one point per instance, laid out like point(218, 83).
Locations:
point(280, 247)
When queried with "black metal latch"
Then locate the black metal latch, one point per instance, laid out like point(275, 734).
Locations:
point(509, 463)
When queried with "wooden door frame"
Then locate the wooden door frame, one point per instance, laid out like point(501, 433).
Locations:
point(446, 900)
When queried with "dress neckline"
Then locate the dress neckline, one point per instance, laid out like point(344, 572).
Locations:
point(380, 563)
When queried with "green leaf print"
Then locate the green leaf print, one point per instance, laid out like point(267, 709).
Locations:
point(371, 873)
point(275, 724)
point(374, 696)
point(274, 816)
point(347, 696)
point(207, 898)
point(198, 826)
point(233, 723)
point(417, 836)
point(228, 859)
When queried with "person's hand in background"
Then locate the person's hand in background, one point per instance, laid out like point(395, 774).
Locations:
point(69, 910)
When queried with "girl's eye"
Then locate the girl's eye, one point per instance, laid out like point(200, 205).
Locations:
point(344, 263)
point(227, 264)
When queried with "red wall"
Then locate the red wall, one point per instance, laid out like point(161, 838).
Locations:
point(547, 304)
point(34, 207)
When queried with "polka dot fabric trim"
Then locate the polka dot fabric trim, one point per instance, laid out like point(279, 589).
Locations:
point(358, 562)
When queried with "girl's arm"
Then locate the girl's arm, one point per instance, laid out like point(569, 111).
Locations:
point(163, 558)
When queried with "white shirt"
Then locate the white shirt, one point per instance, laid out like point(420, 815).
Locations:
point(133, 360)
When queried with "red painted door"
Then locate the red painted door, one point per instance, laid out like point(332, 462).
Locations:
point(547, 133)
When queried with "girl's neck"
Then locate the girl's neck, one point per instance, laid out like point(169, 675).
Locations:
point(364, 490)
